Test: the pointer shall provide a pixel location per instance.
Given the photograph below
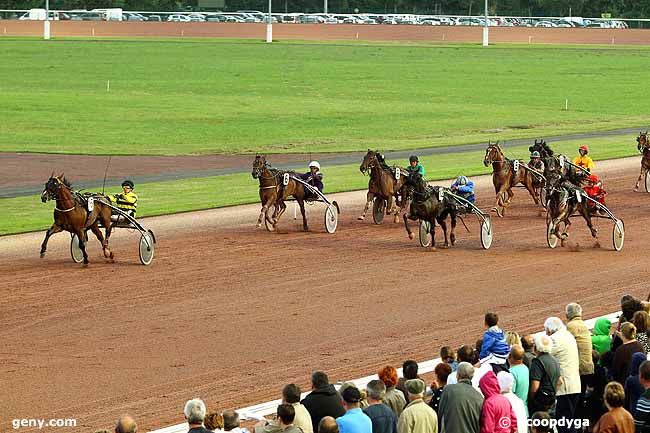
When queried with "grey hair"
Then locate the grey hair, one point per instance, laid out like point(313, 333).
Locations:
point(543, 343)
point(465, 370)
point(553, 324)
point(195, 411)
point(573, 310)
point(376, 389)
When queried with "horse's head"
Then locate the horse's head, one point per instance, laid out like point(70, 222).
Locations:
point(493, 153)
point(53, 186)
point(259, 164)
point(642, 139)
point(369, 161)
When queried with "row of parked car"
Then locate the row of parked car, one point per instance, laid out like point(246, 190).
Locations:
point(246, 16)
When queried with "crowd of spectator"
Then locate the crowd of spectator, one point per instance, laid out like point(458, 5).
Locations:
point(566, 379)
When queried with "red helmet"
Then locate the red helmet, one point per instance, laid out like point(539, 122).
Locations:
point(583, 147)
point(592, 178)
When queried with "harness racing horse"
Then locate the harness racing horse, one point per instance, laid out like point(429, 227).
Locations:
point(383, 184)
point(563, 203)
point(72, 215)
point(426, 206)
point(504, 178)
point(273, 192)
point(644, 147)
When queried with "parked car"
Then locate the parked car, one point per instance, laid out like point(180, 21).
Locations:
point(154, 18)
point(91, 16)
point(546, 24)
point(178, 18)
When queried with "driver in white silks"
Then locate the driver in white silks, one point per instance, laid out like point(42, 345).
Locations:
point(314, 177)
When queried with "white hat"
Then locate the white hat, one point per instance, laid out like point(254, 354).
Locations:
point(314, 164)
point(506, 381)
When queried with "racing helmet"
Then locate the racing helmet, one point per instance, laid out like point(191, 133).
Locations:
point(461, 180)
point(314, 164)
point(535, 154)
point(413, 158)
point(128, 183)
point(593, 178)
point(585, 148)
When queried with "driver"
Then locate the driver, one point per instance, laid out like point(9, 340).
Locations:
point(414, 165)
point(594, 189)
point(583, 160)
point(126, 201)
point(536, 163)
point(314, 177)
point(464, 188)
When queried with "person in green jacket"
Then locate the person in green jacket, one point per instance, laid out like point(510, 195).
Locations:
point(414, 165)
point(602, 340)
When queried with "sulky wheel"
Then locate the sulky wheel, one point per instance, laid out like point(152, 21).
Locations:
point(378, 210)
point(331, 217)
point(618, 235)
point(147, 247)
point(486, 232)
point(75, 251)
point(551, 239)
point(646, 181)
point(424, 233)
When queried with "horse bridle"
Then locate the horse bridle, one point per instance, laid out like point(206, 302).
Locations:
point(371, 164)
point(492, 161)
point(260, 170)
point(52, 195)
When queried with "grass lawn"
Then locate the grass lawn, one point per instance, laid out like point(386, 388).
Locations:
point(223, 96)
point(28, 213)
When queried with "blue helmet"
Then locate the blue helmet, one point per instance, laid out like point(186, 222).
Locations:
point(461, 180)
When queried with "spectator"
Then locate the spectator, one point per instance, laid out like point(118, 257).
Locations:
point(460, 405)
point(286, 415)
point(629, 306)
point(409, 371)
point(302, 419)
point(466, 354)
point(363, 403)
point(506, 382)
point(328, 425)
point(126, 424)
point(512, 338)
point(494, 349)
point(323, 400)
point(623, 354)
point(441, 372)
point(602, 339)
point(214, 421)
point(354, 420)
point(617, 419)
point(383, 419)
point(448, 356)
point(528, 344)
point(541, 422)
point(594, 395)
point(641, 320)
point(194, 412)
point(565, 350)
point(496, 408)
point(520, 373)
point(633, 387)
point(576, 326)
point(417, 417)
point(477, 351)
point(642, 410)
point(231, 422)
point(395, 398)
point(544, 376)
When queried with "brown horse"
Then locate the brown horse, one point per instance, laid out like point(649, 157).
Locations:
point(71, 214)
point(644, 147)
point(273, 192)
point(383, 184)
point(504, 178)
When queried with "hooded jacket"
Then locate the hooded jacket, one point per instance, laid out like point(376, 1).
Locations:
point(601, 340)
point(496, 407)
point(633, 387)
point(494, 343)
point(323, 402)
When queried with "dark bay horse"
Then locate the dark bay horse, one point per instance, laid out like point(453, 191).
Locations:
point(644, 147)
point(383, 184)
point(273, 191)
point(563, 203)
point(504, 178)
point(426, 206)
point(71, 214)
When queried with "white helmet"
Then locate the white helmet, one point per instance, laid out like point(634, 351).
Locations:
point(461, 180)
point(314, 164)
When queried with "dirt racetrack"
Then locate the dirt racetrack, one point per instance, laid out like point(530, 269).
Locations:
point(230, 313)
point(329, 32)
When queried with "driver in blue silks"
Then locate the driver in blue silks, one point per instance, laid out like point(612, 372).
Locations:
point(464, 188)
point(314, 177)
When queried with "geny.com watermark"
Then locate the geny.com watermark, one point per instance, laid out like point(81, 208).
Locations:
point(42, 423)
point(504, 422)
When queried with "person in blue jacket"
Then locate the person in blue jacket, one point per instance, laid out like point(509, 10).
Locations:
point(464, 188)
point(494, 349)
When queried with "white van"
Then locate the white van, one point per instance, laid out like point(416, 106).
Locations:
point(111, 14)
point(38, 15)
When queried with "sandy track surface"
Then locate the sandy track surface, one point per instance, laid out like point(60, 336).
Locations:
point(230, 313)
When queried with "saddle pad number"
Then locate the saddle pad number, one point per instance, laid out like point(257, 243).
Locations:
point(578, 196)
point(398, 173)
point(285, 179)
point(516, 164)
point(441, 194)
point(91, 204)
point(562, 161)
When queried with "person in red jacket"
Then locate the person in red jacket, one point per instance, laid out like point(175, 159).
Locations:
point(594, 189)
point(497, 415)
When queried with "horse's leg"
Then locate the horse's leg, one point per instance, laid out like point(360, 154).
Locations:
point(406, 225)
point(98, 234)
point(54, 229)
point(301, 203)
point(433, 234)
point(83, 239)
point(443, 225)
point(280, 208)
point(594, 231)
point(453, 229)
point(369, 198)
point(500, 205)
point(531, 190)
point(641, 174)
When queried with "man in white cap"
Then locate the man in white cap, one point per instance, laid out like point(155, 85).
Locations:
point(314, 177)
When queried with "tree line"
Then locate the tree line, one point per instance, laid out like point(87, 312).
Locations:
point(584, 8)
